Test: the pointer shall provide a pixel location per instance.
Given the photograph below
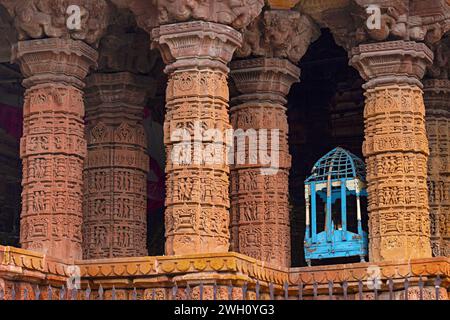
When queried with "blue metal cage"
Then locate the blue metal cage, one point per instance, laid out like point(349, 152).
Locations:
point(337, 175)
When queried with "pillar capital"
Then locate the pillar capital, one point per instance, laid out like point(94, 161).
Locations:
point(54, 60)
point(35, 19)
point(437, 95)
point(263, 79)
point(196, 44)
point(53, 146)
point(118, 89)
point(115, 171)
point(279, 34)
point(392, 62)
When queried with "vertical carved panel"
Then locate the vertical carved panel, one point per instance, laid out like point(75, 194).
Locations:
point(53, 146)
point(437, 97)
point(396, 148)
point(260, 225)
point(115, 172)
point(197, 200)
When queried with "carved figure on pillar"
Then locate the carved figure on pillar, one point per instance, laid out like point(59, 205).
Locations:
point(196, 54)
point(437, 97)
point(395, 148)
point(117, 164)
point(115, 172)
point(273, 44)
point(53, 146)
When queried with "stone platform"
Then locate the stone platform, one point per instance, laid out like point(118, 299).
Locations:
point(220, 276)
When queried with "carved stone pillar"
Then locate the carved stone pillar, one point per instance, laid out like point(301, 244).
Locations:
point(259, 197)
point(197, 201)
point(437, 102)
point(260, 222)
point(53, 146)
point(395, 148)
point(115, 172)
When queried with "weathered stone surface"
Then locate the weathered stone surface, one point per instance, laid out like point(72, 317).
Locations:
point(437, 102)
point(422, 21)
point(150, 14)
point(197, 201)
point(395, 148)
point(53, 145)
point(279, 34)
point(116, 168)
point(37, 19)
point(260, 225)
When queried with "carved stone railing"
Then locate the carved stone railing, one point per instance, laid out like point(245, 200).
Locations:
point(27, 275)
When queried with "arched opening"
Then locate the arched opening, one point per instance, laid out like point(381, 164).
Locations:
point(325, 110)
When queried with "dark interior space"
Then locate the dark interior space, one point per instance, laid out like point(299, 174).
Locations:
point(325, 110)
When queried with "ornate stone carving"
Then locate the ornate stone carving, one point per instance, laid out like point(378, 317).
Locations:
point(279, 34)
point(260, 225)
point(423, 21)
point(197, 202)
point(403, 62)
point(115, 172)
point(437, 97)
point(396, 148)
point(36, 56)
point(36, 19)
point(441, 64)
point(53, 145)
point(150, 14)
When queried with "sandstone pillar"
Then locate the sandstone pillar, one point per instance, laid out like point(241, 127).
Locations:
point(437, 102)
point(197, 202)
point(395, 148)
point(273, 44)
point(115, 172)
point(53, 146)
point(260, 224)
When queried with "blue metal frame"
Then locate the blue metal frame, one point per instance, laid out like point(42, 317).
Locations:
point(335, 176)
